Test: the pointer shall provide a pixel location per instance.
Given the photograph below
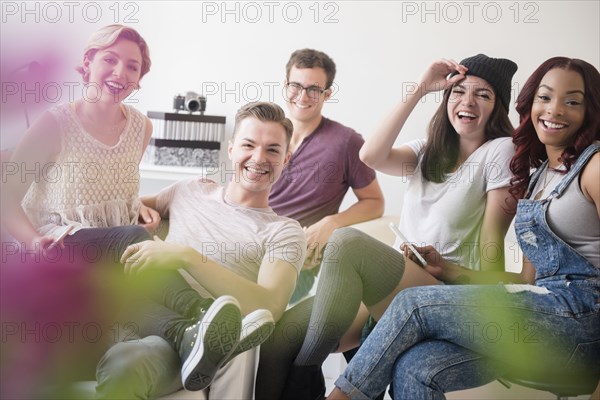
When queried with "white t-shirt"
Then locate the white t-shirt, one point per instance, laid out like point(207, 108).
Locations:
point(448, 215)
point(237, 237)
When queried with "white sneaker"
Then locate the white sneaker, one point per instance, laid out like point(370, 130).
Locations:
point(256, 328)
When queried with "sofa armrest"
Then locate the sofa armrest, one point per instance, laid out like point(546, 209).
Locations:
point(378, 228)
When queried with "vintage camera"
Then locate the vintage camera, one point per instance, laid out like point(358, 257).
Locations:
point(191, 102)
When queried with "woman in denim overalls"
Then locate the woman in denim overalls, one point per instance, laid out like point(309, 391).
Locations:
point(438, 339)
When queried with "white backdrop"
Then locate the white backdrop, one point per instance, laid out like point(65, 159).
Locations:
point(235, 52)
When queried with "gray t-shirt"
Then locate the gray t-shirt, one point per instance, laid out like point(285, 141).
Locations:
point(237, 237)
point(572, 217)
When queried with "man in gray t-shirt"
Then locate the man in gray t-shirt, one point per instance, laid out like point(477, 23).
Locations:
point(231, 242)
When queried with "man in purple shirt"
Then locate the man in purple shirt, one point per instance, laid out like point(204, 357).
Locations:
point(323, 166)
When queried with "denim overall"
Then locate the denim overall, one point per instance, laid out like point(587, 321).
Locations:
point(559, 267)
point(436, 339)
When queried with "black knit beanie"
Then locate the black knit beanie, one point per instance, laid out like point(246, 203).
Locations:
point(498, 72)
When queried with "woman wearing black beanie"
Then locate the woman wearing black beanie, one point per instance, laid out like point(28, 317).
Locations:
point(457, 205)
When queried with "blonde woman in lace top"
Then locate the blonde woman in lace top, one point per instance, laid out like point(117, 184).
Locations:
point(85, 157)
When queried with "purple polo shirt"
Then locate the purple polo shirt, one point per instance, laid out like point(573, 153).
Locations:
point(319, 174)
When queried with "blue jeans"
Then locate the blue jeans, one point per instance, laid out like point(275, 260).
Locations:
point(503, 328)
point(103, 244)
point(433, 367)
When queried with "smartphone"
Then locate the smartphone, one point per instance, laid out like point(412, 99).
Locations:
point(61, 237)
point(420, 260)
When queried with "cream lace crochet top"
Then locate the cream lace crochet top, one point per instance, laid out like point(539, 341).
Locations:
point(90, 184)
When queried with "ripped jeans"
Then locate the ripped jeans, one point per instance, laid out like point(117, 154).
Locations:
point(484, 326)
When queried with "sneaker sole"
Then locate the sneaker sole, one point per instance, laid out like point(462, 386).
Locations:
point(220, 332)
point(256, 328)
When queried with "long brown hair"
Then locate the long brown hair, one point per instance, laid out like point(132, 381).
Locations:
point(441, 151)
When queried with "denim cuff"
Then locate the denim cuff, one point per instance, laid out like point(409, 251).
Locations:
point(349, 390)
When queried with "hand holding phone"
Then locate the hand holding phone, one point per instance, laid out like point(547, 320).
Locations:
point(420, 260)
point(59, 239)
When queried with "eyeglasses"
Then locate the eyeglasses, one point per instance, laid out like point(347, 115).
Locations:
point(294, 90)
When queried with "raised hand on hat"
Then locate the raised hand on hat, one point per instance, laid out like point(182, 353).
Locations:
point(435, 77)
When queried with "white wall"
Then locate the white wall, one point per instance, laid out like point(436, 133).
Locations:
point(236, 51)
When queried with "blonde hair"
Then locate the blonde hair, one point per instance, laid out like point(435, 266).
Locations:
point(106, 37)
point(265, 112)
